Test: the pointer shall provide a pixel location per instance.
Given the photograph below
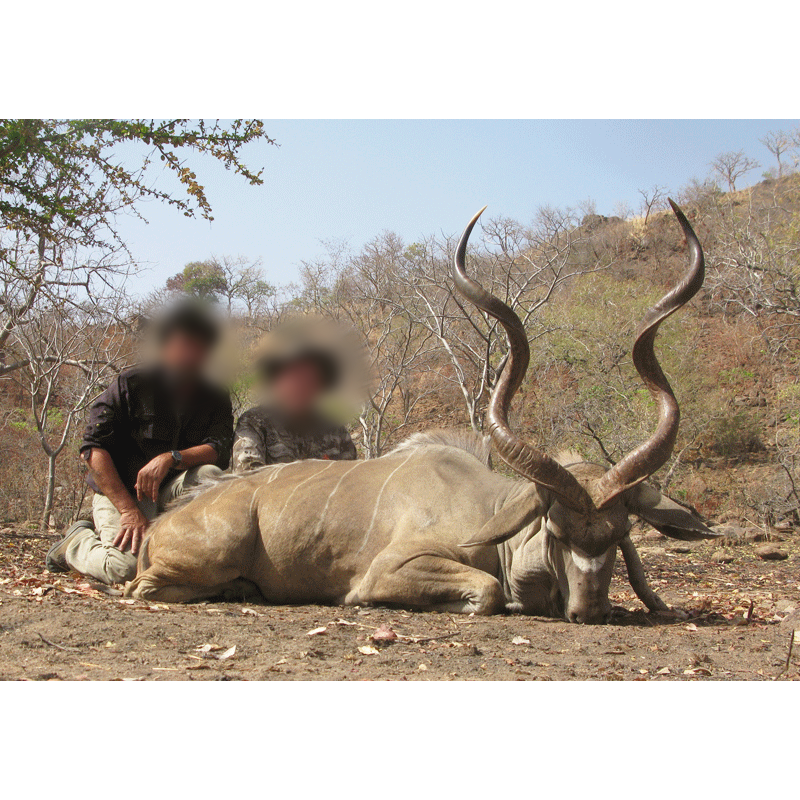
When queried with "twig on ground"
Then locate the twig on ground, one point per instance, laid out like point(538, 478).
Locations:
point(789, 654)
point(420, 640)
point(54, 644)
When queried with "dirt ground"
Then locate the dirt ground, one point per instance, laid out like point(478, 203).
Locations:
point(737, 624)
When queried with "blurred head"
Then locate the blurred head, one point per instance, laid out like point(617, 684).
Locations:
point(187, 334)
point(311, 364)
point(296, 384)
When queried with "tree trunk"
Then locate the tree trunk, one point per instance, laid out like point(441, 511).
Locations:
point(51, 489)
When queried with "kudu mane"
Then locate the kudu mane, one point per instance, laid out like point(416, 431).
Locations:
point(473, 443)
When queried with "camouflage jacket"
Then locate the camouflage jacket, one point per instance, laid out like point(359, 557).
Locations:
point(264, 437)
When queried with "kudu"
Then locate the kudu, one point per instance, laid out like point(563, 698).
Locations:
point(430, 525)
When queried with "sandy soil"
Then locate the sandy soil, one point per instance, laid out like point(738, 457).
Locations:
point(739, 619)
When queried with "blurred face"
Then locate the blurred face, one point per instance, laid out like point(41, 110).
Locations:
point(185, 355)
point(297, 387)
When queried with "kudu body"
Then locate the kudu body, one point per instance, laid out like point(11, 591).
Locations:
point(429, 525)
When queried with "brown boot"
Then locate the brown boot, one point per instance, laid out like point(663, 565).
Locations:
point(55, 560)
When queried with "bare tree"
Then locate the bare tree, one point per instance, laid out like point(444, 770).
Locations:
point(68, 343)
point(37, 274)
point(794, 148)
point(652, 198)
point(357, 289)
point(524, 265)
point(753, 262)
point(733, 165)
point(778, 143)
point(622, 209)
point(587, 208)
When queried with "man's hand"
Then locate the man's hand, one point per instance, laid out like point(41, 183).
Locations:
point(151, 476)
point(133, 524)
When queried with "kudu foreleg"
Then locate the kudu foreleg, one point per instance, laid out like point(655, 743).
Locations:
point(637, 577)
point(428, 581)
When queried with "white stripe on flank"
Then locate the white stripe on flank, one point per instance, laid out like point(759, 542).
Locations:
point(328, 465)
point(328, 501)
point(378, 502)
point(587, 565)
point(253, 500)
point(219, 495)
point(276, 470)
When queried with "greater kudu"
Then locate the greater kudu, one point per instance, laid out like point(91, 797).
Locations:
point(429, 525)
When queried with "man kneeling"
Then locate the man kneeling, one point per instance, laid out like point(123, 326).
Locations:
point(155, 432)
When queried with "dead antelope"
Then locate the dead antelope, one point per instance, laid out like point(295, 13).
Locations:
point(430, 526)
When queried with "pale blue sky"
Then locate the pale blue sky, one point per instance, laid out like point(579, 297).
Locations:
point(353, 179)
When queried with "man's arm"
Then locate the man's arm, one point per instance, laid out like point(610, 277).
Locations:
point(214, 449)
point(133, 522)
point(249, 445)
point(152, 474)
point(108, 424)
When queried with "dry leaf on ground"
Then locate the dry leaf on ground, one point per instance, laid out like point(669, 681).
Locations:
point(384, 635)
point(208, 648)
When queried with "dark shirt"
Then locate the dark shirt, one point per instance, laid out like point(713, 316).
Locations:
point(264, 436)
point(139, 417)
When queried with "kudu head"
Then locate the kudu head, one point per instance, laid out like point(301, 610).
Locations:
point(584, 507)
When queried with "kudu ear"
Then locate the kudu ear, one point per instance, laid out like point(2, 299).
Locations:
point(666, 515)
point(510, 520)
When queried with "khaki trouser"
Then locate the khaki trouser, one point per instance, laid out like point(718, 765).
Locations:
point(92, 552)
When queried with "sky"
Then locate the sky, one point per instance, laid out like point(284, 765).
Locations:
point(351, 180)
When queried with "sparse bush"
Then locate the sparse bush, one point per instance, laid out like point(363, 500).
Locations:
point(736, 436)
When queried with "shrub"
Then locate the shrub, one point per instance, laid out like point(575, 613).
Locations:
point(736, 436)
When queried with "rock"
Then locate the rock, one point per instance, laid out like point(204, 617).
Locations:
point(680, 548)
point(769, 552)
point(758, 535)
point(785, 607)
point(654, 536)
point(721, 557)
point(730, 531)
point(736, 535)
point(697, 486)
point(653, 551)
point(792, 621)
point(783, 526)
